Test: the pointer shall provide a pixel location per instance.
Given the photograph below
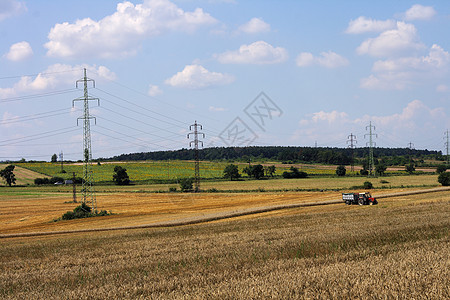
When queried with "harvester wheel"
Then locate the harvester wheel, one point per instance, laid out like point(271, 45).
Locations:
point(361, 201)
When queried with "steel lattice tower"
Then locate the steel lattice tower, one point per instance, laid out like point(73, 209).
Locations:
point(87, 190)
point(371, 144)
point(196, 142)
point(351, 139)
point(447, 146)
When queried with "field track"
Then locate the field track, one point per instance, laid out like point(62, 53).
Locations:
point(216, 216)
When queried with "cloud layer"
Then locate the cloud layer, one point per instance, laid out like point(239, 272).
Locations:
point(121, 33)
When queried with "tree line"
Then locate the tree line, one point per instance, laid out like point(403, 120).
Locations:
point(289, 154)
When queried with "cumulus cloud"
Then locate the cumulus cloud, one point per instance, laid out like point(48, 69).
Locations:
point(9, 8)
point(392, 42)
point(258, 52)
point(363, 25)
point(197, 77)
point(154, 90)
point(334, 126)
point(19, 51)
point(328, 59)
point(419, 12)
point(400, 73)
point(255, 25)
point(121, 33)
point(54, 76)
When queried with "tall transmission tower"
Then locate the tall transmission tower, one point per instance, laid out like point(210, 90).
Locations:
point(352, 139)
point(195, 127)
point(87, 190)
point(371, 144)
point(410, 147)
point(61, 159)
point(446, 136)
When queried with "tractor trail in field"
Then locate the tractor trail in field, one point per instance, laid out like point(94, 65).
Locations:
point(210, 217)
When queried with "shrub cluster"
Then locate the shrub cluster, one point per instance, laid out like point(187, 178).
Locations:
point(53, 180)
point(294, 173)
point(83, 211)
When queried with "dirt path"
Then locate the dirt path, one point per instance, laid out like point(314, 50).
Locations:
point(218, 215)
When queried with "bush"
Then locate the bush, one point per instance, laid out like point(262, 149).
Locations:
point(55, 179)
point(340, 170)
point(368, 185)
point(294, 173)
point(40, 181)
point(441, 169)
point(186, 184)
point(82, 211)
point(364, 172)
point(444, 178)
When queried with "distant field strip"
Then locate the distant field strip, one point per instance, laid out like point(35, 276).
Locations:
point(217, 216)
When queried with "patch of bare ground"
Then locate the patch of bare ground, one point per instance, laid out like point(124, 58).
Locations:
point(377, 252)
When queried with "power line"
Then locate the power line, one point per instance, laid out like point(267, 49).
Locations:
point(36, 74)
point(34, 116)
point(33, 96)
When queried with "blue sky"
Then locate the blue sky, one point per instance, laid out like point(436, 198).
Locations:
point(300, 73)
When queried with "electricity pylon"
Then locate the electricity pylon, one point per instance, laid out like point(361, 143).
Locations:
point(411, 147)
point(61, 159)
point(352, 139)
point(447, 146)
point(371, 144)
point(196, 133)
point(87, 190)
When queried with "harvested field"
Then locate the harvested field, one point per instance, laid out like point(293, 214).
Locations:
point(398, 249)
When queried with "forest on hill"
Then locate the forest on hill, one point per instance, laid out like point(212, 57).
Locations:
point(322, 155)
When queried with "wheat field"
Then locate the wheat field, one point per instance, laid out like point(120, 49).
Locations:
point(396, 250)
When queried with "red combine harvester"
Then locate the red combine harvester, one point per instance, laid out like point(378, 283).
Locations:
point(359, 198)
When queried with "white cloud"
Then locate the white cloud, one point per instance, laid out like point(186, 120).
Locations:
point(392, 42)
point(121, 33)
point(54, 76)
point(9, 8)
point(442, 88)
point(419, 12)
point(328, 59)
point(255, 25)
point(154, 90)
point(216, 109)
point(400, 73)
point(258, 52)
point(19, 51)
point(335, 126)
point(197, 77)
point(363, 25)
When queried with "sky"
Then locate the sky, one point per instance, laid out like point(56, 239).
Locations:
point(262, 73)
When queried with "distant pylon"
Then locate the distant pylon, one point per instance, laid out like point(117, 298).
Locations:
point(87, 190)
point(352, 139)
point(410, 147)
point(447, 146)
point(61, 159)
point(371, 144)
point(196, 133)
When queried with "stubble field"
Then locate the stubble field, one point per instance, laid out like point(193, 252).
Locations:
point(398, 249)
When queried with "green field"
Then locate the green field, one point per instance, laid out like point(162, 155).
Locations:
point(167, 171)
